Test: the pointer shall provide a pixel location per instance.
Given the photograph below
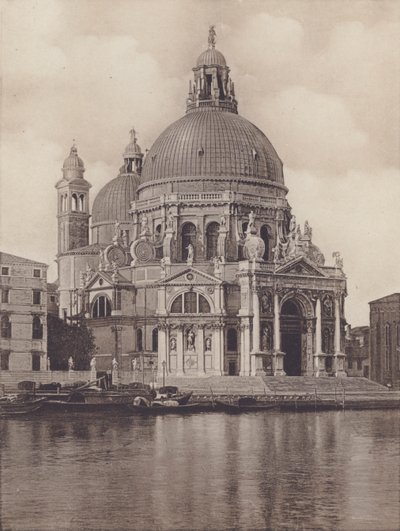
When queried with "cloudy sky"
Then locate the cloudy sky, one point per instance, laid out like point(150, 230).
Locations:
point(319, 77)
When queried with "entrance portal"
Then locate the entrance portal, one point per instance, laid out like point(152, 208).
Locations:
point(291, 330)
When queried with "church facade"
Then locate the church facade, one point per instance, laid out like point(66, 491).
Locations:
point(196, 264)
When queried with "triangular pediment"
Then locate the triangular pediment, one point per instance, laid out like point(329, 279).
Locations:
point(300, 266)
point(104, 280)
point(189, 277)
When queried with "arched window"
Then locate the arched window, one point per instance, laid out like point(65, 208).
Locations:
point(139, 339)
point(212, 239)
point(154, 340)
point(74, 202)
point(188, 237)
point(81, 202)
point(101, 307)
point(232, 340)
point(190, 302)
point(37, 328)
point(5, 326)
point(265, 237)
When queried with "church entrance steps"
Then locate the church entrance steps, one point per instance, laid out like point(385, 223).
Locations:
point(322, 385)
point(219, 385)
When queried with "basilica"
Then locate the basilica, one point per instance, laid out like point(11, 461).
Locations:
point(196, 264)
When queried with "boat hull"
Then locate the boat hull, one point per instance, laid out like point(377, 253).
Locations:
point(20, 408)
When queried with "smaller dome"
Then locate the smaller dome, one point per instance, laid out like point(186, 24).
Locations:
point(132, 150)
point(211, 57)
point(73, 162)
point(114, 200)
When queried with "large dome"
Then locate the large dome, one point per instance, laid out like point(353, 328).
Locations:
point(114, 199)
point(212, 143)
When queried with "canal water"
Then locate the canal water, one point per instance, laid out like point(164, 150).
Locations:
point(292, 471)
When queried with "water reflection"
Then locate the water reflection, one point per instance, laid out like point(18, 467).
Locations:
point(331, 470)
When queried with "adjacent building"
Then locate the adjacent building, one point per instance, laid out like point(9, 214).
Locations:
point(357, 351)
point(196, 264)
point(385, 340)
point(23, 314)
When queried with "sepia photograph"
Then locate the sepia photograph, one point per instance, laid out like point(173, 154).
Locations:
point(199, 275)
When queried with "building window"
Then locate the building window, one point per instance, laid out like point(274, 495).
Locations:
point(349, 364)
point(212, 239)
point(37, 328)
point(5, 360)
point(190, 302)
point(36, 273)
point(359, 364)
point(154, 340)
point(5, 271)
point(139, 339)
point(265, 238)
point(232, 340)
point(74, 198)
point(101, 307)
point(52, 298)
point(188, 238)
point(5, 326)
point(81, 202)
point(36, 361)
point(5, 296)
point(36, 296)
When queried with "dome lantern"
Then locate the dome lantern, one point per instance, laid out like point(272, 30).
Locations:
point(212, 86)
point(133, 155)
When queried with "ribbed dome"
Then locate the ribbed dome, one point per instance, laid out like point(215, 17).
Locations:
point(73, 161)
point(113, 201)
point(211, 57)
point(212, 143)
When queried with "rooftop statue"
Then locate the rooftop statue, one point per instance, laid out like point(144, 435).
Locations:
point(212, 37)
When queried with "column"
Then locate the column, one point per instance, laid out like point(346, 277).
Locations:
point(277, 331)
point(221, 348)
point(162, 348)
point(278, 354)
point(179, 351)
point(319, 357)
point(339, 356)
point(256, 322)
point(200, 349)
point(246, 347)
point(216, 349)
point(242, 362)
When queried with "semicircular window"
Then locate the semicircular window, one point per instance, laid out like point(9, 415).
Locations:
point(190, 302)
point(101, 307)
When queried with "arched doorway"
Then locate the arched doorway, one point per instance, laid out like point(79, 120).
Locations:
point(291, 337)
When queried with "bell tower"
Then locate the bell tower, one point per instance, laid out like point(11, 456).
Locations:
point(72, 204)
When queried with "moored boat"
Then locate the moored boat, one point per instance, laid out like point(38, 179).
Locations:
point(244, 404)
point(17, 405)
point(144, 406)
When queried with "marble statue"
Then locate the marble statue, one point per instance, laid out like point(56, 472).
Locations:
point(190, 340)
point(190, 254)
point(70, 363)
point(114, 364)
point(208, 344)
point(172, 344)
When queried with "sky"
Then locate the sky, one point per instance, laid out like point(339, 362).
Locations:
point(320, 78)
